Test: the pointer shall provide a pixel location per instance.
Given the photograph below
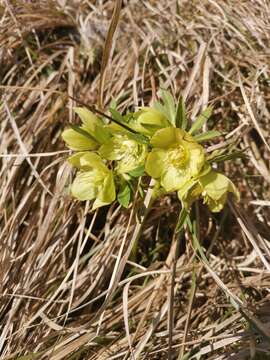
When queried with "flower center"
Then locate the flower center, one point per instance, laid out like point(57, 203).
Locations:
point(178, 156)
point(125, 148)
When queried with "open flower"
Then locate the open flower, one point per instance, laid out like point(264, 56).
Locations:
point(175, 158)
point(93, 181)
point(89, 136)
point(213, 187)
point(128, 153)
point(148, 120)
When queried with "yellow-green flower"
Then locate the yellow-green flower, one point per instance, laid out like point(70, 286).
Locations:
point(89, 136)
point(79, 140)
point(213, 187)
point(93, 181)
point(148, 120)
point(175, 158)
point(128, 153)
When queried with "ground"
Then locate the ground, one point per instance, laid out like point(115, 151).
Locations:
point(68, 288)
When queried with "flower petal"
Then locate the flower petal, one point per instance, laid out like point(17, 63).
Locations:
point(87, 161)
point(173, 179)
point(78, 142)
point(83, 186)
point(148, 121)
point(234, 191)
point(156, 163)
point(215, 184)
point(107, 193)
point(216, 206)
point(196, 160)
point(109, 151)
point(167, 137)
point(215, 190)
point(189, 192)
point(98, 203)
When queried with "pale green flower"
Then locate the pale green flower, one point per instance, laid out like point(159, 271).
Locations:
point(128, 153)
point(148, 120)
point(89, 136)
point(93, 181)
point(79, 140)
point(213, 187)
point(175, 158)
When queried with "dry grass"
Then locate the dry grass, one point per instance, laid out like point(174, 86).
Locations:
point(68, 289)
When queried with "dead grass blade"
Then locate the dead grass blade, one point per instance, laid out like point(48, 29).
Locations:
point(68, 286)
point(108, 47)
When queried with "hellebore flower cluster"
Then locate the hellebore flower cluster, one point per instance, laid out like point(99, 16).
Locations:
point(153, 142)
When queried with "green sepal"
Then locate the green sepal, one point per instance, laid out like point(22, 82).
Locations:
point(124, 195)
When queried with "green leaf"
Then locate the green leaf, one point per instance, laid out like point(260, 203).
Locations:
point(93, 125)
point(89, 119)
point(208, 135)
point(196, 243)
point(201, 120)
point(161, 108)
point(113, 104)
point(180, 117)
point(124, 195)
point(169, 104)
point(141, 192)
point(117, 116)
point(141, 139)
point(181, 220)
point(231, 156)
point(79, 130)
point(137, 172)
